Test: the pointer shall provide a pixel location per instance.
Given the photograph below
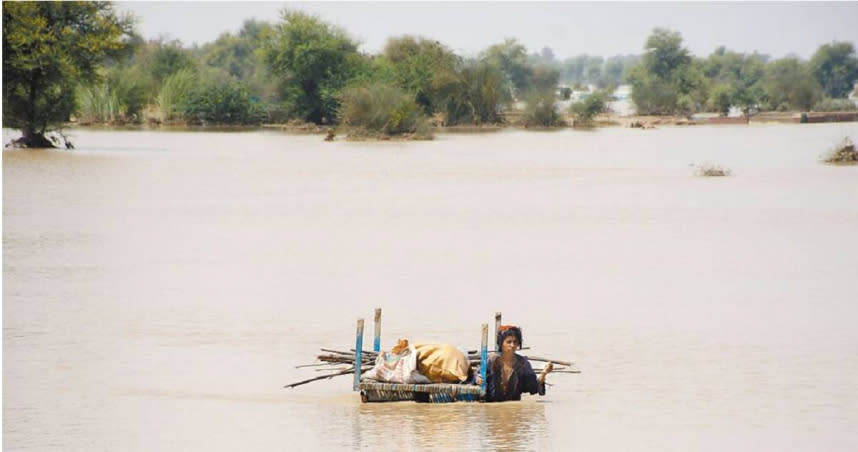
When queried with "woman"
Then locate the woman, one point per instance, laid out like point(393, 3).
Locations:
point(508, 374)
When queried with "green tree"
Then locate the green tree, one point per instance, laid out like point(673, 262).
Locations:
point(668, 80)
point(313, 62)
point(511, 57)
point(423, 67)
point(788, 83)
point(480, 95)
point(835, 68)
point(48, 48)
point(738, 77)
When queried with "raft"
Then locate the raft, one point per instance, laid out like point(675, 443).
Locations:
point(371, 391)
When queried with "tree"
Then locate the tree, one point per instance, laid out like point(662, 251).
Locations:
point(835, 67)
point(313, 61)
point(788, 83)
point(48, 48)
point(423, 67)
point(668, 80)
point(479, 96)
point(511, 57)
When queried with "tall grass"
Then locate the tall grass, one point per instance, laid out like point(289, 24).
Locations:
point(382, 109)
point(97, 103)
point(174, 91)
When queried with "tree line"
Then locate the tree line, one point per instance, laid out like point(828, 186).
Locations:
point(82, 60)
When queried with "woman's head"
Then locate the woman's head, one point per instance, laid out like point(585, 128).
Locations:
point(506, 331)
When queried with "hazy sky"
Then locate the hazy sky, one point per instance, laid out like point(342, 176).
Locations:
point(773, 28)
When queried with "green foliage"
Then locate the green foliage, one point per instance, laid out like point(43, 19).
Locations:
point(480, 95)
point(668, 80)
point(313, 61)
point(174, 94)
point(829, 104)
point(511, 57)
point(587, 109)
point(664, 55)
point(835, 68)
point(721, 98)
point(382, 109)
point(541, 110)
point(423, 67)
point(97, 103)
point(788, 83)
point(221, 100)
point(738, 76)
point(48, 48)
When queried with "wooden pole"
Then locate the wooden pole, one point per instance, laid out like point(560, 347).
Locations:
point(497, 327)
point(358, 353)
point(484, 357)
point(376, 344)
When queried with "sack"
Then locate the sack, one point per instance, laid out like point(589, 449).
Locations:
point(396, 366)
point(442, 363)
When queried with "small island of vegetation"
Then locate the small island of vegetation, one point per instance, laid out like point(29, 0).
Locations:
point(80, 62)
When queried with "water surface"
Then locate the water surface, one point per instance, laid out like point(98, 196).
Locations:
point(160, 287)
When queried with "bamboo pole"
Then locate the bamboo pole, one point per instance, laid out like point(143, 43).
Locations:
point(376, 343)
point(497, 327)
point(358, 357)
point(484, 358)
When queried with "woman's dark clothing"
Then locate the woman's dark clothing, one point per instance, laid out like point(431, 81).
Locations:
point(521, 379)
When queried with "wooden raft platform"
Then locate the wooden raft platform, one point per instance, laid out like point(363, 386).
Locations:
point(431, 392)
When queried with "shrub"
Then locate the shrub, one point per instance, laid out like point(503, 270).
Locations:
point(829, 104)
point(587, 109)
point(222, 102)
point(379, 108)
point(541, 110)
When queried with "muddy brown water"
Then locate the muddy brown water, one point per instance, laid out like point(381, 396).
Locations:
point(160, 287)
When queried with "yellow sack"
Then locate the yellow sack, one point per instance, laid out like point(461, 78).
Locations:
point(442, 363)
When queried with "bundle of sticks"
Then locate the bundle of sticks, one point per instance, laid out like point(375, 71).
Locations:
point(337, 363)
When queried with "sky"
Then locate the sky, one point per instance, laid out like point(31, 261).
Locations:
point(777, 29)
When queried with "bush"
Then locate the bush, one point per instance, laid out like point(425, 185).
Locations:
point(222, 102)
point(587, 109)
point(380, 108)
point(829, 104)
point(541, 110)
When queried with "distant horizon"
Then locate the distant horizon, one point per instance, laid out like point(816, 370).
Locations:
point(776, 29)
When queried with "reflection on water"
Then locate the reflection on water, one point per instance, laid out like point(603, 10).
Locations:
point(499, 426)
point(160, 288)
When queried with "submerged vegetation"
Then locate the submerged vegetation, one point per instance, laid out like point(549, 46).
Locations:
point(381, 110)
point(709, 170)
point(843, 154)
point(89, 65)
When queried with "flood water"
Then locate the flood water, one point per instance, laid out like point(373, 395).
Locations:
point(159, 288)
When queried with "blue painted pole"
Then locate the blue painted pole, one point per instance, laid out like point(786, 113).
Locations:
point(484, 357)
point(497, 327)
point(358, 353)
point(376, 344)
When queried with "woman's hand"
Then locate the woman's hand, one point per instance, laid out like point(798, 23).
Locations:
point(478, 380)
